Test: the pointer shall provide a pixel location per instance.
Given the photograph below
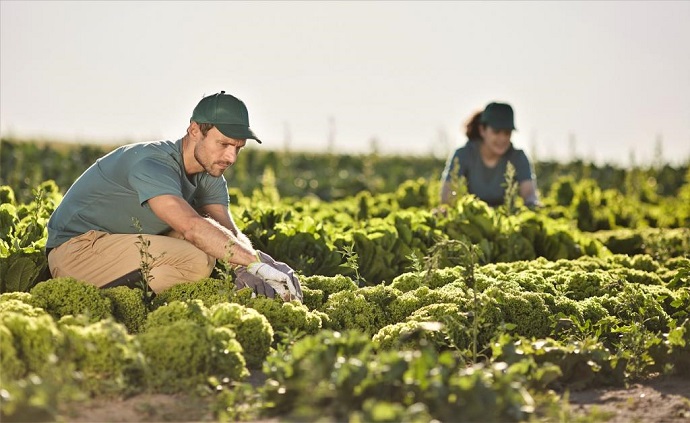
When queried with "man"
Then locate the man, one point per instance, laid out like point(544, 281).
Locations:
point(171, 194)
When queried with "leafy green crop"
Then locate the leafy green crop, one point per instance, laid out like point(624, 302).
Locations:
point(105, 354)
point(252, 329)
point(129, 307)
point(184, 354)
point(63, 296)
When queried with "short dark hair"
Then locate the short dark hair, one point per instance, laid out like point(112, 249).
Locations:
point(205, 127)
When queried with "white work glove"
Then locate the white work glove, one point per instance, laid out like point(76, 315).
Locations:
point(279, 281)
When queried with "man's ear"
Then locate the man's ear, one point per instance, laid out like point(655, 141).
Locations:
point(193, 130)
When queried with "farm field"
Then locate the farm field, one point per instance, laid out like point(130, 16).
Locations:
point(575, 311)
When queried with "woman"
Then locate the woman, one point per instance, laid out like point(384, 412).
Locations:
point(483, 160)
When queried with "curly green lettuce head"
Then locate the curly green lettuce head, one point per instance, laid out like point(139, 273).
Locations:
point(313, 298)
point(129, 307)
point(592, 310)
point(411, 335)
point(435, 312)
point(185, 354)
point(407, 281)
point(63, 296)
point(12, 365)
point(328, 284)
point(285, 317)
point(24, 297)
point(634, 305)
point(37, 340)
point(578, 285)
point(567, 307)
point(527, 310)
point(106, 355)
point(209, 290)
point(252, 329)
point(445, 276)
point(409, 302)
point(177, 310)
point(21, 307)
point(350, 310)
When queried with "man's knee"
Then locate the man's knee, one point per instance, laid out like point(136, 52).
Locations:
point(203, 266)
point(167, 276)
point(193, 265)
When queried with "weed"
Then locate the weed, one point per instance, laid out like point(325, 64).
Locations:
point(223, 267)
point(445, 252)
point(146, 263)
point(635, 341)
point(351, 260)
point(467, 255)
point(573, 329)
point(416, 262)
point(634, 347)
point(457, 184)
point(511, 190)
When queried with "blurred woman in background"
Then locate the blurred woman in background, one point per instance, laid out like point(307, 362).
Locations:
point(483, 160)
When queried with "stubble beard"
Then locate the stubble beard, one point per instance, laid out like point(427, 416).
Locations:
point(208, 167)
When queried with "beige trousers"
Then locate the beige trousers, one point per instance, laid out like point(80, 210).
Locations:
point(100, 258)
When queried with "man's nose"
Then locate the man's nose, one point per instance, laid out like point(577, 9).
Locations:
point(231, 155)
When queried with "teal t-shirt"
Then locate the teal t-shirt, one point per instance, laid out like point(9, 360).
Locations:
point(487, 183)
point(115, 190)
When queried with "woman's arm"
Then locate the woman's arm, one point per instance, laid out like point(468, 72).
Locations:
point(528, 192)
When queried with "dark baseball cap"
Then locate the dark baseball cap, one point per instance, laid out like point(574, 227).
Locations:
point(227, 113)
point(498, 116)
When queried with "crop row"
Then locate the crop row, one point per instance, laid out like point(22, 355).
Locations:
point(370, 238)
point(526, 326)
point(410, 312)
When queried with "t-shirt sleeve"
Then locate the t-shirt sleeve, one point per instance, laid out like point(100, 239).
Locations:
point(150, 178)
point(523, 167)
point(212, 191)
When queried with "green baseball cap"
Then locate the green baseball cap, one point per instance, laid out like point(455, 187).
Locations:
point(227, 113)
point(498, 116)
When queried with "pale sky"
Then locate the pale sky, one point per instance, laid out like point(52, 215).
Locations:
point(602, 80)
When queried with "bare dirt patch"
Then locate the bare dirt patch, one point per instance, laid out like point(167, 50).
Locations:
point(141, 408)
point(660, 400)
point(663, 399)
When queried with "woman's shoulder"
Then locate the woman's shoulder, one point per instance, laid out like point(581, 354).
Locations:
point(516, 153)
point(470, 147)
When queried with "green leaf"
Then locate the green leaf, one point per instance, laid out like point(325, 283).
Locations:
point(18, 273)
point(675, 336)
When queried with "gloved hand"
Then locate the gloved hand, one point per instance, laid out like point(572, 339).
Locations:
point(295, 287)
point(277, 280)
point(268, 277)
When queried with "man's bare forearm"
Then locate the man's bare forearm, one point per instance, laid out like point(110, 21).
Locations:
point(219, 242)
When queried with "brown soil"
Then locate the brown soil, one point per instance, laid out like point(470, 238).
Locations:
point(662, 400)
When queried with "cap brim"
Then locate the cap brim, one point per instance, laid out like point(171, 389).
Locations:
point(239, 132)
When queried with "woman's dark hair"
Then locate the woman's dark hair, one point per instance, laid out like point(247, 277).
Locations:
point(472, 126)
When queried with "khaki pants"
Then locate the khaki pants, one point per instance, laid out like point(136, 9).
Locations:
point(100, 258)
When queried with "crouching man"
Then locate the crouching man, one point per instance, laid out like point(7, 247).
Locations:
point(173, 195)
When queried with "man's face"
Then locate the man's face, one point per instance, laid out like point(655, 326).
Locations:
point(215, 152)
point(496, 140)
